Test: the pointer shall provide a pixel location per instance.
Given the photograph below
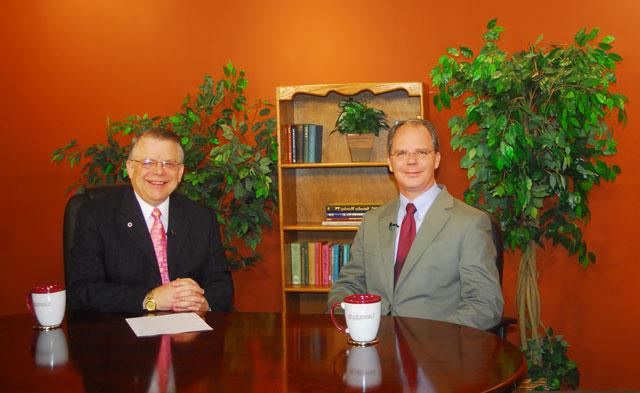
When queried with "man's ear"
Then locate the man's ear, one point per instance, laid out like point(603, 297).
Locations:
point(130, 167)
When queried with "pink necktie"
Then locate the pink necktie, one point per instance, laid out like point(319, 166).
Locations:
point(407, 234)
point(163, 364)
point(159, 239)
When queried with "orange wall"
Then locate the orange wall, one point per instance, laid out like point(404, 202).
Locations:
point(68, 65)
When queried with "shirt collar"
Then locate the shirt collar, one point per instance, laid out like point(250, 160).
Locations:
point(422, 203)
point(147, 209)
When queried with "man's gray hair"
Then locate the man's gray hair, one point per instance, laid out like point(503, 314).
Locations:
point(158, 133)
point(414, 122)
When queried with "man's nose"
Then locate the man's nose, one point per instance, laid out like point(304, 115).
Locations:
point(159, 169)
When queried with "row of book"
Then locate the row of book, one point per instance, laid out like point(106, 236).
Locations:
point(303, 143)
point(317, 263)
point(346, 214)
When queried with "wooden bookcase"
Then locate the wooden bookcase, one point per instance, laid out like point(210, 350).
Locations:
point(305, 189)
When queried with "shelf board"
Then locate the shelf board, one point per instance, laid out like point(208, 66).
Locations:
point(308, 226)
point(336, 165)
point(306, 289)
point(414, 89)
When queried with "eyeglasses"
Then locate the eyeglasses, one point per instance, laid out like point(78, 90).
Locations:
point(150, 163)
point(403, 155)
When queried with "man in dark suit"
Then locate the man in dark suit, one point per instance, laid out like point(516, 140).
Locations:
point(447, 270)
point(145, 247)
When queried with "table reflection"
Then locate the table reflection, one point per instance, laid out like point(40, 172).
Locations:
point(363, 368)
point(51, 348)
point(253, 352)
point(110, 357)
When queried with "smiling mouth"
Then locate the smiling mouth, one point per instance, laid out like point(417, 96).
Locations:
point(157, 182)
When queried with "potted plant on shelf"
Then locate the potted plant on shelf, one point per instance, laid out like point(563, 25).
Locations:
point(360, 123)
point(230, 158)
point(535, 134)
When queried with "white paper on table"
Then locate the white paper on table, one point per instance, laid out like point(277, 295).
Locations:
point(167, 324)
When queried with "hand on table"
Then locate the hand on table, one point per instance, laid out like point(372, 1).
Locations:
point(183, 294)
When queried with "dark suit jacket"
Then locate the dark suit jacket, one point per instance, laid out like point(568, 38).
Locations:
point(113, 263)
point(450, 272)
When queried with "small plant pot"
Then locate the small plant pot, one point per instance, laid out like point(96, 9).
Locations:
point(360, 146)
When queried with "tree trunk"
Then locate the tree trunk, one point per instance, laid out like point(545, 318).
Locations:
point(528, 296)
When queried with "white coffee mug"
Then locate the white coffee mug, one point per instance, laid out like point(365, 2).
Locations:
point(51, 348)
point(363, 368)
point(47, 303)
point(362, 313)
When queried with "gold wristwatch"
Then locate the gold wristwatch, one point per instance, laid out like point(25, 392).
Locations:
point(150, 302)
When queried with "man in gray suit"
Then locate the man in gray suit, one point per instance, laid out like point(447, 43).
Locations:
point(448, 271)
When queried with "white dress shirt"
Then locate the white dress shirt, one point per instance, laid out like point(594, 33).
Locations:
point(147, 209)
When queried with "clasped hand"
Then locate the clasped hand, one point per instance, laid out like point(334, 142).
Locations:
point(182, 294)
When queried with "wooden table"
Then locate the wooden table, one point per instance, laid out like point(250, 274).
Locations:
point(257, 352)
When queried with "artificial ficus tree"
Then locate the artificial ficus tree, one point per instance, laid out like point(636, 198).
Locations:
point(536, 133)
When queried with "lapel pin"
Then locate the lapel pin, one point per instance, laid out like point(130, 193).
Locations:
point(129, 224)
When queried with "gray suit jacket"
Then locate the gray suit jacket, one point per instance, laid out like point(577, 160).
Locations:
point(449, 274)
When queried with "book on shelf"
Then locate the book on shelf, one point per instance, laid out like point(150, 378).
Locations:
point(304, 259)
point(335, 262)
point(312, 263)
point(326, 267)
point(296, 267)
point(288, 148)
point(297, 139)
point(328, 260)
point(350, 207)
point(315, 142)
point(303, 143)
point(347, 223)
point(319, 263)
point(345, 215)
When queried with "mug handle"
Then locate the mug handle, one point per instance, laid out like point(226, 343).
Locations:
point(335, 322)
point(29, 302)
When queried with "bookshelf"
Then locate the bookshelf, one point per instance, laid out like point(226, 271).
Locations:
point(306, 188)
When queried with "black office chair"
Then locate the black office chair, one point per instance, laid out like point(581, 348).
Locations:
point(71, 213)
point(496, 233)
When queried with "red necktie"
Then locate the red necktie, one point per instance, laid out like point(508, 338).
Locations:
point(407, 234)
point(159, 239)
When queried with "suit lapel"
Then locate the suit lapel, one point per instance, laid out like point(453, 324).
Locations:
point(387, 240)
point(130, 218)
point(435, 220)
point(177, 234)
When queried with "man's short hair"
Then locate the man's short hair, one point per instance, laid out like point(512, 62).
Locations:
point(415, 122)
point(158, 133)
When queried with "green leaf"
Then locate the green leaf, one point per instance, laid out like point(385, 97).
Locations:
point(580, 37)
point(241, 84)
point(466, 52)
point(614, 56)
point(539, 39)
point(492, 23)
point(608, 39)
point(453, 52)
point(471, 172)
